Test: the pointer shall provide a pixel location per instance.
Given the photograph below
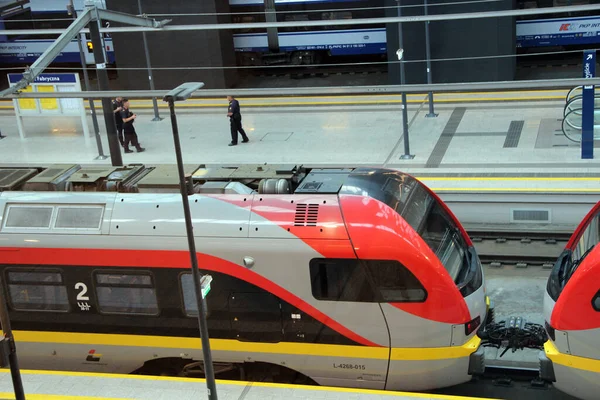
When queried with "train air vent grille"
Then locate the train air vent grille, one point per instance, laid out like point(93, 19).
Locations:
point(28, 217)
point(50, 173)
point(79, 217)
point(530, 216)
point(11, 178)
point(306, 215)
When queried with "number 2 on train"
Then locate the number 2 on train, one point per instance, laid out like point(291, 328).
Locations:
point(81, 295)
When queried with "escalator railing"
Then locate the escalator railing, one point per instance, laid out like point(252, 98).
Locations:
point(573, 115)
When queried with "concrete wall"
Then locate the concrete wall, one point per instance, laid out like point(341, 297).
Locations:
point(454, 39)
point(176, 49)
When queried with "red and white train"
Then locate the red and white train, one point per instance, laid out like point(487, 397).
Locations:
point(571, 356)
point(356, 277)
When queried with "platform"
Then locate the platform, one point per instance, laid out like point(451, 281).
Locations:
point(498, 132)
point(487, 141)
point(56, 385)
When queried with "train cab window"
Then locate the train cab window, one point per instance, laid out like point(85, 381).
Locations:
point(395, 282)
point(120, 293)
point(37, 291)
point(189, 295)
point(340, 280)
point(588, 239)
point(571, 258)
point(445, 239)
point(420, 210)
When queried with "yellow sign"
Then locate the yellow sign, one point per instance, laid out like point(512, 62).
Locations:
point(47, 104)
point(27, 104)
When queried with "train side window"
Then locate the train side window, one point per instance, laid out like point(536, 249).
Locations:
point(132, 293)
point(596, 301)
point(395, 282)
point(37, 290)
point(190, 305)
point(340, 280)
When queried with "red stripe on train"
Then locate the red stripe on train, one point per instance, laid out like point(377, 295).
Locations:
point(166, 259)
point(377, 232)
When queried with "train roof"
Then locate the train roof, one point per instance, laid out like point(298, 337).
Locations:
point(205, 179)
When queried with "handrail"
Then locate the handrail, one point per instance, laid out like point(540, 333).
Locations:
point(578, 98)
point(574, 134)
point(568, 98)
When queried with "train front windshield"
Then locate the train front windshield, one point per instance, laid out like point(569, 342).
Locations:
point(570, 259)
point(421, 211)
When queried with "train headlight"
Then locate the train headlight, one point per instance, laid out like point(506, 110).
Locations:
point(472, 325)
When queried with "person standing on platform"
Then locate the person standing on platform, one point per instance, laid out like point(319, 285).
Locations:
point(128, 129)
point(235, 121)
point(117, 108)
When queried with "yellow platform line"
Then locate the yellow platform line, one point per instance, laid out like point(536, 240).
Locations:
point(191, 104)
point(242, 383)
point(30, 396)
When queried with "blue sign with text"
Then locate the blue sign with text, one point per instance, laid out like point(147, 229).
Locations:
point(45, 78)
point(587, 112)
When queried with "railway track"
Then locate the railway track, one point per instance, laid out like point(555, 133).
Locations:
point(519, 249)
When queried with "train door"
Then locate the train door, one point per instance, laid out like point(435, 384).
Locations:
point(255, 317)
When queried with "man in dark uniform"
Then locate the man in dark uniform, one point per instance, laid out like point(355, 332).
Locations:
point(235, 121)
point(117, 108)
point(130, 135)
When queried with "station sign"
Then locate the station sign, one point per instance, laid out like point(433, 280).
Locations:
point(49, 83)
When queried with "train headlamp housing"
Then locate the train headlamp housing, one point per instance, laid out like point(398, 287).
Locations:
point(472, 325)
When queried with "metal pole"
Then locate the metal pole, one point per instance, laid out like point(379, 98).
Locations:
point(431, 114)
point(109, 116)
point(150, 78)
point(86, 80)
point(406, 155)
point(9, 344)
point(208, 365)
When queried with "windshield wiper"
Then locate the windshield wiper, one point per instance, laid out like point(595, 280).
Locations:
point(576, 263)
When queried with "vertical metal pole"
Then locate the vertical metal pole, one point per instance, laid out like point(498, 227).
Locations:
point(431, 114)
point(406, 155)
point(208, 365)
point(10, 345)
point(150, 77)
point(272, 35)
point(86, 86)
point(587, 106)
point(109, 115)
